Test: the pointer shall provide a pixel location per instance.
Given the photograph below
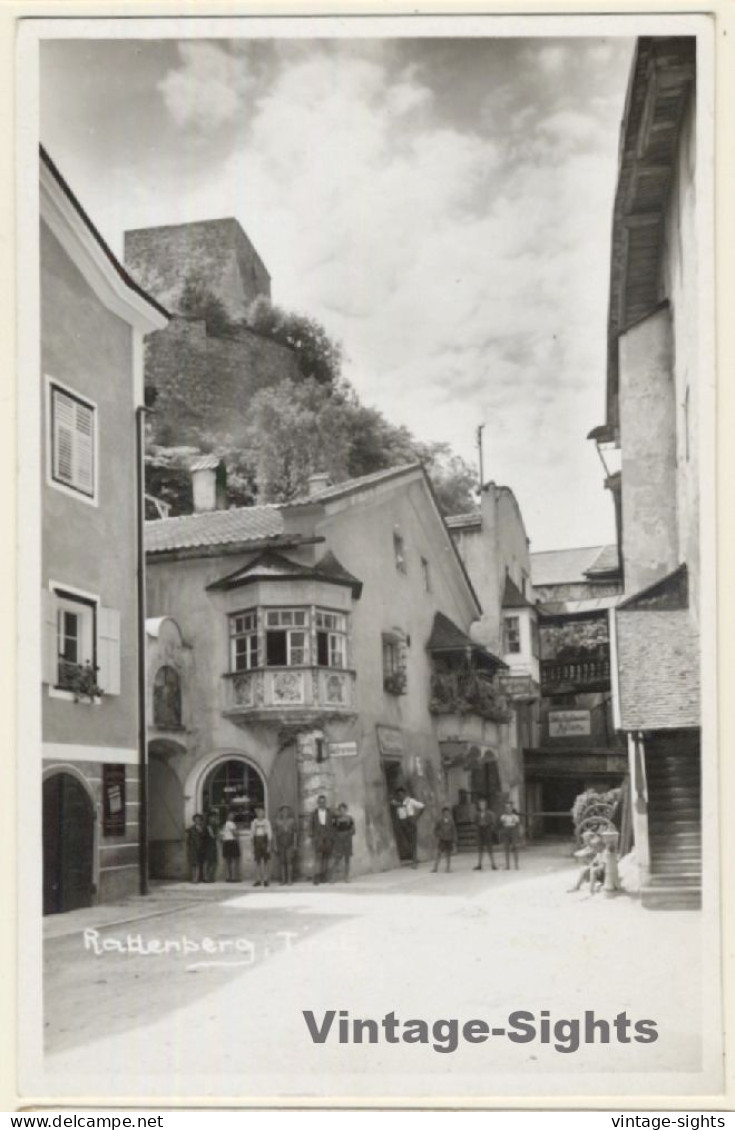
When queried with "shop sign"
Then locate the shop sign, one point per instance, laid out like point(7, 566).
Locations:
point(569, 723)
point(390, 741)
point(113, 800)
point(343, 749)
point(516, 686)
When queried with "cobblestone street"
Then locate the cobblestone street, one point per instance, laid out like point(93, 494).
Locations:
point(466, 945)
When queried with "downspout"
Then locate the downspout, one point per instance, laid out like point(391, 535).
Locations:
point(142, 722)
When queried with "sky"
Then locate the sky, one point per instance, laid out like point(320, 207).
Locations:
point(442, 206)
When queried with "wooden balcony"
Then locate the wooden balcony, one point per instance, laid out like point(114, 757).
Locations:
point(289, 693)
point(581, 673)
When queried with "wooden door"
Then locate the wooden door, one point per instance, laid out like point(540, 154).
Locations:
point(68, 844)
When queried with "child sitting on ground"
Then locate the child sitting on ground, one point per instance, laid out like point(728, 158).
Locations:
point(592, 857)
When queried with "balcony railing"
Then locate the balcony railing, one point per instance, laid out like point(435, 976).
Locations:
point(591, 673)
point(291, 690)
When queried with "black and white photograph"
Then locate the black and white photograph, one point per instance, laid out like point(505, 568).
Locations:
point(367, 675)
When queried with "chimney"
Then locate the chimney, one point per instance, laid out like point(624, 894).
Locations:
point(319, 481)
point(208, 483)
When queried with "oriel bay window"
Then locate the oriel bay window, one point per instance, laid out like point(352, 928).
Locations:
point(288, 637)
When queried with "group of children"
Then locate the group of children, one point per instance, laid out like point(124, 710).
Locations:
point(486, 824)
point(331, 832)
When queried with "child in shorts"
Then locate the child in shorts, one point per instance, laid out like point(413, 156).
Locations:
point(262, 834)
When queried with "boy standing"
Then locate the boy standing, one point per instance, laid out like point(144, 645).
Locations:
point(485, 824)
point(262, 837)
point(446, 839)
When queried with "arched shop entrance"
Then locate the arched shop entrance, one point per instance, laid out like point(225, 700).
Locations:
point(233, 784)
point(68, 844)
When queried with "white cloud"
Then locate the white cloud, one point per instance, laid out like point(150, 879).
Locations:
point(206, 89)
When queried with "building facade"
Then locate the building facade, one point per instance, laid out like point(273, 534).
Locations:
point(93, 319)
point(318, 646)
point(651, 431)
point(578, 748)
point(494, 547)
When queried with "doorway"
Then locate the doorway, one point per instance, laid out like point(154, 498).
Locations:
point(68, 844)
point(394, 779)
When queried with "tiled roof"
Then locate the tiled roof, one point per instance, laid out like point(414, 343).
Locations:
point(456, 521)
point(513, 597)
point(607, 561)
point(446, 636)
point(658, 665)
point(270, 566)
point(214, 527)
point(350, 486)
point(564, 566)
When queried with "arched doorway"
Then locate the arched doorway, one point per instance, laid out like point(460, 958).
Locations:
point(233, 784)
point(68, 844)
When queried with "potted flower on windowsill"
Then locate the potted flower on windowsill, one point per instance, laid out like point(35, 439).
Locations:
point(394, 682)
point(85, 686)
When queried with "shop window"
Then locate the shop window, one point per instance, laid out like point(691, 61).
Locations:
point(511, 635)
point(234, 786)
point(167, 699)
point(113, 800)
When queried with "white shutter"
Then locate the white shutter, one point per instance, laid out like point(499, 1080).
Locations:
point(49, 639)
point(84, 477)
point(108, 650)
point(64, 428)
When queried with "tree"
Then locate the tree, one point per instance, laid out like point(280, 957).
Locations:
point(319, 358)
point(295, 430)
point(198, 301)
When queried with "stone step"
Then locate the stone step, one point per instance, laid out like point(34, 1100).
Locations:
point(676, 879)
point(677, 898)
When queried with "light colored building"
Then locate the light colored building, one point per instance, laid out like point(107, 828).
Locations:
point(494, 547)
point(93, 318)
point(318, 646)
point(651, 431)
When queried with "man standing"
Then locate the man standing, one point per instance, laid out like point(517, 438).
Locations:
point(407, 811)
point(485, 824)
point(322, 838)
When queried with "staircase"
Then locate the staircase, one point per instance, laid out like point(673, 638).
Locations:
point(674, 829)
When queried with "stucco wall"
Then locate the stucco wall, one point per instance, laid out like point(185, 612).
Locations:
point(680, 281)
point(92, 548)
point(649, 456)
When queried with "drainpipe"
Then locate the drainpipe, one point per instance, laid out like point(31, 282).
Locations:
point(142, 724)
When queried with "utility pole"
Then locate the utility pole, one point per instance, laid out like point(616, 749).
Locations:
point(480, 429)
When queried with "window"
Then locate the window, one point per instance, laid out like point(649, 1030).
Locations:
point(511, 635)
point(73, 424)
point(286, 637)
point(167, 699)
point(331, 639)
point(399, 552)
point(244, 641)
point(76, 658)
point(426, 574)
point(394, 666)
point(81, 644)
point(534, 638)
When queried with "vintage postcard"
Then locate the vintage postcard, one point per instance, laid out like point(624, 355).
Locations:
point(367, 712)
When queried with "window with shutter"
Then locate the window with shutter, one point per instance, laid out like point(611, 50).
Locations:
point(73, 441)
